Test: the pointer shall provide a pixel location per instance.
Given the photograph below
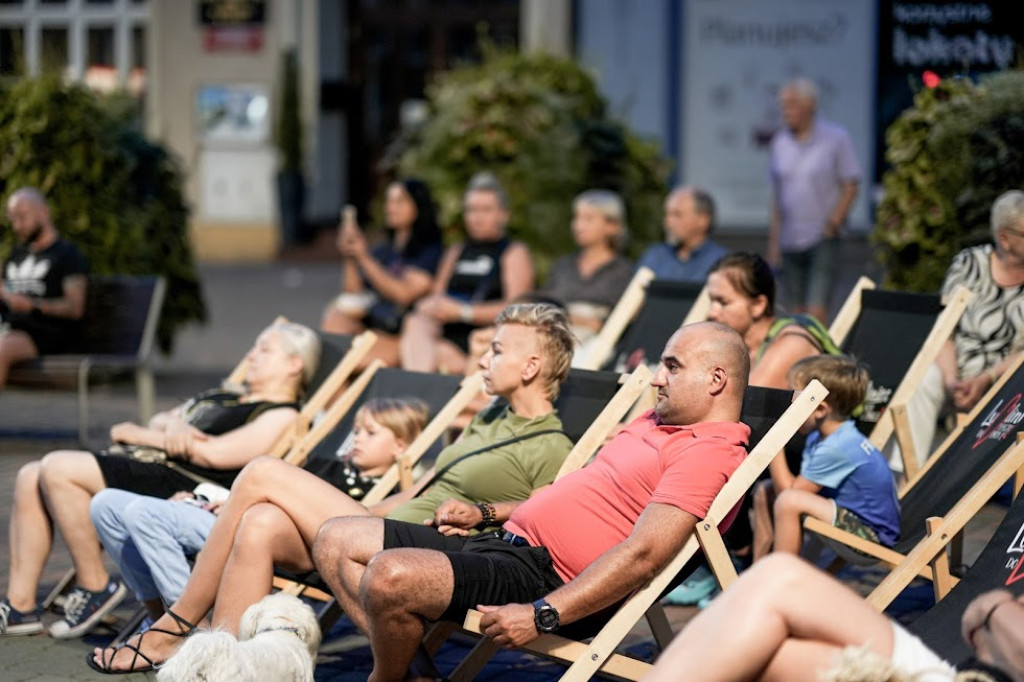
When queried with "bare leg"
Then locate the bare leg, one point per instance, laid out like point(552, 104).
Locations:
point(15, 346)
point(341, 552)
point(764, 534)
point(336, 322)
point(265, 533)
point(790, 508)
point(306, 499)
point(31, 537)
point(418, 345)
point(68, 480)
point(788, 619)
point(400, 589)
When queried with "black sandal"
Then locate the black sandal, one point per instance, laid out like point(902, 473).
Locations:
point(106, 662)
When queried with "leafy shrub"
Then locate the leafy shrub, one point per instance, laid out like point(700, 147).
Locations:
point(959, 147)
point(540, 125)
point(113, 193)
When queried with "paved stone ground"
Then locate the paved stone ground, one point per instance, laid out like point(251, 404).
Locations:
point(242, 300)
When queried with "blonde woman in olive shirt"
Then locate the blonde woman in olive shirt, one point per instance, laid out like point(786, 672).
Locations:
point(275, 509)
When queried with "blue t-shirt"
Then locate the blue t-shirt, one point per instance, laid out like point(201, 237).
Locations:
point(663, 260)
point(385, 315)
point(854, 473)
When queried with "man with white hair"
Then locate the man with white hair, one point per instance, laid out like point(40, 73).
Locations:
point(42, 285)
point(814, 174)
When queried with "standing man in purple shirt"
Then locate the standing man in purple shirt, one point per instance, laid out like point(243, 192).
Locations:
point(814, 175)
point(687, 253)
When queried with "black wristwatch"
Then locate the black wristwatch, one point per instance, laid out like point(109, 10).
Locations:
point(545, 617)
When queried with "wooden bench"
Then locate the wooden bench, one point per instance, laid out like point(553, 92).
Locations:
point(117, 334)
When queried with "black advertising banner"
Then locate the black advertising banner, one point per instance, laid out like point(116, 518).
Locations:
point(945, 38)
point(226, 13)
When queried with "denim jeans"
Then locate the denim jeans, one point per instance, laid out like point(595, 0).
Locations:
point(149, 538)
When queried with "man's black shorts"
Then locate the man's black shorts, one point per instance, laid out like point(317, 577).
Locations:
point(487, 570)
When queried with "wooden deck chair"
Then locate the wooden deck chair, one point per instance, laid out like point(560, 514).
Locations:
point(849, 311)
point(622, 314)
point(919, 325)
point(339, 356)
point(598, 656)
point(667, 305)
point(999, 566)
point(977, 458)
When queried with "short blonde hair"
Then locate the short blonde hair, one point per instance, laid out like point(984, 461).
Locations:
point(404, 417)
point(556, 340)
point(303, 342)
point(844, 377)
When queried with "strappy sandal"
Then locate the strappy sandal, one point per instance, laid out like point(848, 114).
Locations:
point(106, 661)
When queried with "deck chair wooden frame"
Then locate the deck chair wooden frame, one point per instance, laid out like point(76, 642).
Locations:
point(628, 308)
point(998, 566)
point(893, 420)
point(848, 313)
point(926, 558)
point(622, 314)
point(586, 660)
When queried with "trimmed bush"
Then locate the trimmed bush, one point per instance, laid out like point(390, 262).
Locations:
point(958, 148)
point(113, 193)
point(540, 125)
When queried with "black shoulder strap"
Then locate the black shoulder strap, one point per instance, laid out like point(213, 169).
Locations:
point(493, 446)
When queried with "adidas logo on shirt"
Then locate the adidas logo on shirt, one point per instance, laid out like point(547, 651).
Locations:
point(27, 277)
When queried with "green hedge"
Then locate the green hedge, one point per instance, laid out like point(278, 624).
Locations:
point(958, 148)
point(540, 125)
point(112, 192)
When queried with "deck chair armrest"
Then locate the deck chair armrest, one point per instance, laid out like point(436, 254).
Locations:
point(880, 552)
point(562, 649)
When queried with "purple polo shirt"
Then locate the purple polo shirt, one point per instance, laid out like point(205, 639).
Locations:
point(807, 178)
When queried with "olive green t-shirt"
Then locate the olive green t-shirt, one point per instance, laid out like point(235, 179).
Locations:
point(504, 474)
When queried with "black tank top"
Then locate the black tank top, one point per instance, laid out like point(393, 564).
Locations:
point(477, 274)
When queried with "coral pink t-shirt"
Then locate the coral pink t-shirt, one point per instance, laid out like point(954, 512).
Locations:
point(591, 510)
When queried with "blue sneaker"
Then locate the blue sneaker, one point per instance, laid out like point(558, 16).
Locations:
point(699, 585)
point(84, 609)
point(15, 622)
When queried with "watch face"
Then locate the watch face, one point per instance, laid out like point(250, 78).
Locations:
point(547, 618)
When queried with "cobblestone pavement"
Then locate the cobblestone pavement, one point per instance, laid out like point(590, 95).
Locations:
point(242, 300)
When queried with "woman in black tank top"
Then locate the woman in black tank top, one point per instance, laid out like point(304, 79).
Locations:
point(477, 278)
point(212, 436)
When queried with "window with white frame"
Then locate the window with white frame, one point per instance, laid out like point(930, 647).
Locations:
point(99, 42)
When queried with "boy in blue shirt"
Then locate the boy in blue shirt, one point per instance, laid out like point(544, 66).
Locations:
point(844, 480)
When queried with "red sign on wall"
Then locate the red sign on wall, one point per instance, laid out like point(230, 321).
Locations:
point(233, 39)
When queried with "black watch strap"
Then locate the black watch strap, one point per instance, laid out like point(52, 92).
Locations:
point(545, 616)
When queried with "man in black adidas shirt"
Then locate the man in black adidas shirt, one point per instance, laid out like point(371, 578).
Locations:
point(42, 285)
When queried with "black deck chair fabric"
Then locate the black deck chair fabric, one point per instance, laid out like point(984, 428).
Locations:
point(665, 307)
point(333, 348)
point(433, 389)
point(999, 566)
point(978, 447)
point(889, 332)
point(582, 397)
